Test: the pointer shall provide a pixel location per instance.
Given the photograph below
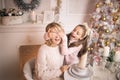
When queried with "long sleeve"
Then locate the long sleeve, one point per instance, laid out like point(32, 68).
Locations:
point(44, 71)
point(70, 53)
point(64, 48)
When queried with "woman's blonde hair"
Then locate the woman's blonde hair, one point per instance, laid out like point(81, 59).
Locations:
point(55, 26)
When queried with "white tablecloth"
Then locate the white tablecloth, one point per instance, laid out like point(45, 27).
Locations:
point(99, 73)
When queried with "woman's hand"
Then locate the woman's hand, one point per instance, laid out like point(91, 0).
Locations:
point(64, 68)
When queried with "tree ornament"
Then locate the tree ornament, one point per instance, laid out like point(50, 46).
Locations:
point(107, 43)
point(97, 5)
point(27, 6)
point(103, 18)
point(115, 18)
point(88, 48)
point(107, 30)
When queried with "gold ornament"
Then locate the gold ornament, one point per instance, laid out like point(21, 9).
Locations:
point(107, 43)
point(115, 18)
point(103, 18)
point(88, 48)
point(98, 5)
point(107, 30)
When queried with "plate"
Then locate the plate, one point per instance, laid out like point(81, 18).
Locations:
point(88, 74)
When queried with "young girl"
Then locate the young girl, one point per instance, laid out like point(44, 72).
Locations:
point(75, 44)
point(49, 59)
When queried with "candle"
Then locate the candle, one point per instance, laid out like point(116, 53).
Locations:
point(33, 16)
point(106, 51)
point(83, 61)
point(117, 56)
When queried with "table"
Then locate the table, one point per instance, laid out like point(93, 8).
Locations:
point(99, 73)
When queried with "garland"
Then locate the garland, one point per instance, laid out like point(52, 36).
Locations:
point(27, 6)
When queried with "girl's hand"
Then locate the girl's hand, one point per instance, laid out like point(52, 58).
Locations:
point(62, 33)
point(64, 68)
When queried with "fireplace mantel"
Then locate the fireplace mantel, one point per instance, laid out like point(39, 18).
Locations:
point(25, 27)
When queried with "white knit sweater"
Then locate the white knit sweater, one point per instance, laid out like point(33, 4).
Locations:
point(49, 61)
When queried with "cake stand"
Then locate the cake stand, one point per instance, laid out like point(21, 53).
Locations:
point(76, 73)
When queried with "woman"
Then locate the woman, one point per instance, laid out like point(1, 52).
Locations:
point(49, 63)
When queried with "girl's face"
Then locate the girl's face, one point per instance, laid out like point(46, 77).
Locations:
point(77, 33)
point(54, 36)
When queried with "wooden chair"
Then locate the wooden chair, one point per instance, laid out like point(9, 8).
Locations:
point(26, 52)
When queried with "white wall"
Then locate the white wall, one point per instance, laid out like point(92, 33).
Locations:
point(2, 4)
point(12, 37)
point(74, 12)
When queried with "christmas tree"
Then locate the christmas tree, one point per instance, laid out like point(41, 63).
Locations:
point(105, 28)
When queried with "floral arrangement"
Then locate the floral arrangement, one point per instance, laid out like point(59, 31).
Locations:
point(10, 12)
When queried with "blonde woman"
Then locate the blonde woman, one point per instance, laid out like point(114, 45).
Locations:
point(49, 63)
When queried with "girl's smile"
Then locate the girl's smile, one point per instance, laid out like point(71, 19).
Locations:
point(77, 33)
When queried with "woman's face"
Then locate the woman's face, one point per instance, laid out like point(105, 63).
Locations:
point(77, 33)
point(54, 36)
